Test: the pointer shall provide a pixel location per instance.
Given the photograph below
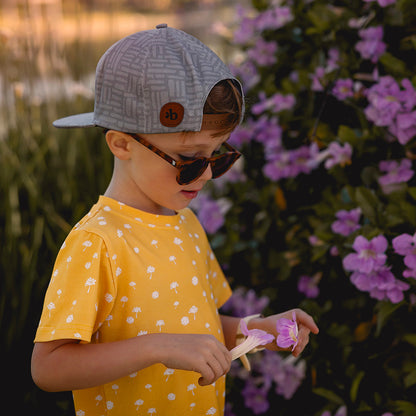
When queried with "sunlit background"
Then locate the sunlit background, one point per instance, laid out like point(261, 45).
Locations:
point(49, 48)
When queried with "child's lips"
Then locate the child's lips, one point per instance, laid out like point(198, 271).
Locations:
point(190, 194)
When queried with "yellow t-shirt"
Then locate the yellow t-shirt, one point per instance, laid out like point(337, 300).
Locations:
point(122, 273)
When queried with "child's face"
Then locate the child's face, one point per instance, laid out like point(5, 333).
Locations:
point(153, 180)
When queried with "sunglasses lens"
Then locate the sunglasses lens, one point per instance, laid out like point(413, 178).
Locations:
point(222, 164)
point(192, 171)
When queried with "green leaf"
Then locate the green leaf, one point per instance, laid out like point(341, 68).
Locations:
point(347, 135)
point(356, 385)
point(410, 338)
point(393, 65)
point(385, 309)
point(410, 379)
point(405, 408)
point(368, 202)
point(329, 395)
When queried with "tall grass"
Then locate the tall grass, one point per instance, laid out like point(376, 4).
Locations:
point(48, 181)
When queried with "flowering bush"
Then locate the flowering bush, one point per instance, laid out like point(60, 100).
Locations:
point(322, 211)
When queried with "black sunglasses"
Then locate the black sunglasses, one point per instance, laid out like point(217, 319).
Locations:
point(190, 170)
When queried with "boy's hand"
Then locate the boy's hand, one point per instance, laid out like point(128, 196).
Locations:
point(203, 354)
point(305, 322)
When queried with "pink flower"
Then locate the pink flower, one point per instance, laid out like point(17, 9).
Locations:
point(343, 89)
point(288, 332)
point(369, 255)
point(371, 45)
point(255, 337)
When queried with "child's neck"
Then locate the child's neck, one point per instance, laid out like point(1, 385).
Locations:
point(117, 192)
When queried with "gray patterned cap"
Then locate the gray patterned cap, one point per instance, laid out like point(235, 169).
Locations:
point(154, 81)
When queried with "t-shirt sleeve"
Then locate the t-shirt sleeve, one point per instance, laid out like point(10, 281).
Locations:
point(81, 292)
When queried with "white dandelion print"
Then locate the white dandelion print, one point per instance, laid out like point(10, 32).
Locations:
point(123, 300)
point(51, 307)
point(120, 233)
point(172, 259)
point(150, 271)
point(171, 396)
point(148, 387)
point(154, 243)
point(174, 286)
point(191, 388)
point(130, 320)
point(136, 310)
point(138, 403)
point(193, 310)
point(155, 294)
point(168, 373)
point(90, 282)
point(185, 320)
point(86, 244)
point(178, 242)
point(211, 411)
point(160, 323)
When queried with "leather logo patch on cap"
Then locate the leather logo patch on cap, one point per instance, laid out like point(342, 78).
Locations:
point(171, 114)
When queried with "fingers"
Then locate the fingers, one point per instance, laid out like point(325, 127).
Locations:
point(303, 340)
point(306, 320)
point(215, 366)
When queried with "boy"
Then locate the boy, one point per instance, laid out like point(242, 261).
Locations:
point(131, 321)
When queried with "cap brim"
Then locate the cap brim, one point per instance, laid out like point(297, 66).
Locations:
point(78, 120)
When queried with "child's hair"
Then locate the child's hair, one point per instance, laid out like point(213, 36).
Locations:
point(225, 98)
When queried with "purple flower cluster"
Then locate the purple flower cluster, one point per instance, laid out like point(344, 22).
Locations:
point(245, 302)
point(269, 369)
point(405, 245)
point(347, 222)
point(309, 286)
point(371, 45)
point(343, 89)
point(397, 172)
point(392, 107)
point(282, 163)
point(252, 24)
point(211, 212)
point(370, 273)
point(263, 52)
point(275, 104)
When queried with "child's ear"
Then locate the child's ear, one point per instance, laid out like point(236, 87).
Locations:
point(119, 144)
